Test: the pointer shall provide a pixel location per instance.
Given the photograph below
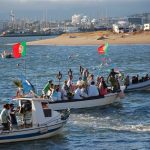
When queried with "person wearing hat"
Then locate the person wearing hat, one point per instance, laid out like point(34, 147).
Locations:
point(4, 117)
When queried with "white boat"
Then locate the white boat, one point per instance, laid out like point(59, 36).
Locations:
point(44, 123)
point(6, 54)
point(140, 86)
point(86, 103)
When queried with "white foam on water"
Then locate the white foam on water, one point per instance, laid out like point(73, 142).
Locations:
point(132, 128)
point(83, 120)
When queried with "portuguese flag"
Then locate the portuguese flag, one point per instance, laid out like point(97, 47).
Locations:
point(103, 49)
point(19, 50)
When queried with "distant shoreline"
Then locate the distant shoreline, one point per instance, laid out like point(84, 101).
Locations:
point(95, 38)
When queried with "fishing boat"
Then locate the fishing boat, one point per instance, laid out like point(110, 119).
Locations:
point(140, 86)
point(43, 123)
point(86, 102)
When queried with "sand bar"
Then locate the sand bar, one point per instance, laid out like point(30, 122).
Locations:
point(95, 38)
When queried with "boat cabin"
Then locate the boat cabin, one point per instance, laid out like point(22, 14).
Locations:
point(33, 112)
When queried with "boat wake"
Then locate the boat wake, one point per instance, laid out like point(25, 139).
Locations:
point(102, 123)
point(130, 128)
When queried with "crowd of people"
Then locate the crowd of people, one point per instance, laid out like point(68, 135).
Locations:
point(136, 79)
point(86, 86)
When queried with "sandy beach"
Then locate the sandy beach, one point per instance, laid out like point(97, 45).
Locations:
point(95, 38)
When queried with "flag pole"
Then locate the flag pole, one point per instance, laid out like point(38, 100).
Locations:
point(25, 67)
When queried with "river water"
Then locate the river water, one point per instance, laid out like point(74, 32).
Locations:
point(119, 126)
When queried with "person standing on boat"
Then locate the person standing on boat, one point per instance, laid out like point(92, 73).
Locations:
point(85, 74)
point(51, 91)
point(127, 81)
point(4, 117)
point(69, 82)
point(13, 119)
point(112, 78)
point(65, 90)
point(19, 92)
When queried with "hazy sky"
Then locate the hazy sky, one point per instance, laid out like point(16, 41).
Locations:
point(64, 9)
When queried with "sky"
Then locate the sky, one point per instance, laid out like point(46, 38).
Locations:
point(64, 9)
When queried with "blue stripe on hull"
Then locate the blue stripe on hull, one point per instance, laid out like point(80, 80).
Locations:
point(27, 135)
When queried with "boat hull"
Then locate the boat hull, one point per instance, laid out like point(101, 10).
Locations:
point(85, 103)
point(31, 133)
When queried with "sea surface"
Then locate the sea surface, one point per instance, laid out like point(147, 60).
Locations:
point(123, 126)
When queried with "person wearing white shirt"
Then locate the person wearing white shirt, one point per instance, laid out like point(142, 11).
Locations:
point(77, 94)
point(70, 84)
point(84, 91)
point(56, 95)
point(93, 90)
point(65, 90)
point(4, 117)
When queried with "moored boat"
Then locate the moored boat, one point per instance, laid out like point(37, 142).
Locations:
point(43, 123)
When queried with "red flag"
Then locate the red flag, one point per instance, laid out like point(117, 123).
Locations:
point(101, 49)
point(16, 50)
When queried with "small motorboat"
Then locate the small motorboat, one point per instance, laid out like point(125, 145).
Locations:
point(43, 123)
point(6, 54)
point(140, 86)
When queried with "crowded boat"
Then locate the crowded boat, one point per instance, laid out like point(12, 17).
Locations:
point(136, 83)
point(71, 94)
point(86, 86)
